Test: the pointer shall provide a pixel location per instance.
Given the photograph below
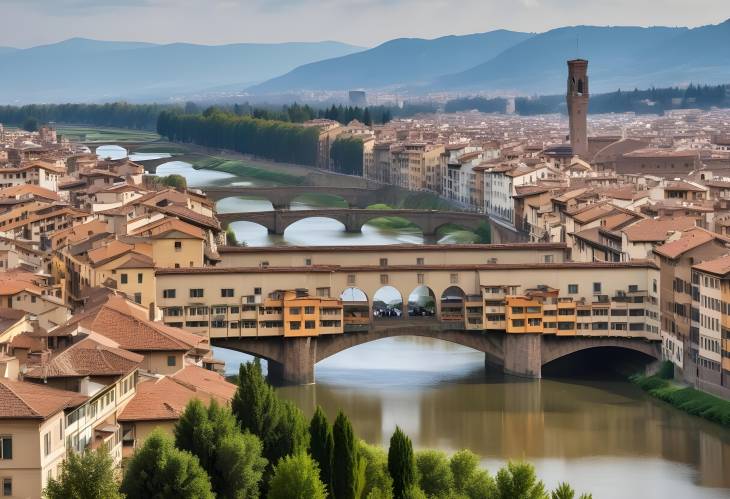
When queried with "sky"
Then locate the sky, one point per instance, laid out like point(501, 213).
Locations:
point(359, 22)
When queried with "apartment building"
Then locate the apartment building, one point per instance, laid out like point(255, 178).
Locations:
point(680, 321)
point(711, 299)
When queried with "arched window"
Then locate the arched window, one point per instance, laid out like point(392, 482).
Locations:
point(580, 87)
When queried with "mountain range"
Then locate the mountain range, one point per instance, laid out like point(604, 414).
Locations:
point(497, 62)
point(504, 62)
point(83, 70)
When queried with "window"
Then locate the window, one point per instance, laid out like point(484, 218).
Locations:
point(307, 262)
point(60, 429)
point(295, 310)
point(419, 261)
point(383, 262)
point(596, 287)
point(350, 278)
point(454, 278)
point(47, 443)
point(383, 278)
point(171, 361)
point(139, 278)
point(518, 310)
point(168, 293)
point(178, 245)
point(323, 292)
point(196, 293)
point(257, 291)
point(6, 448)
point(295, 325)
point(309, 324)
point(547, 258)
point(633, 288)
point(572, 289)
point(421, 278)
point(138, 298)
point(309, 310)
point(123, 278)
point(518, 322)
point(227, 293)
point(7, 487)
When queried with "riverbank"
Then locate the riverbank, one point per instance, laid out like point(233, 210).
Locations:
point(685, 398)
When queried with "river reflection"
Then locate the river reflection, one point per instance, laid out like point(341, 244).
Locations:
point(605, 436)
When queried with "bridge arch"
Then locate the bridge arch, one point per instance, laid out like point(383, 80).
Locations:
point(355, 308)
point(452, 303)
point(239, 204)
point(556, 348)
point(292, 224)
point(387, 303)
point(422, 302)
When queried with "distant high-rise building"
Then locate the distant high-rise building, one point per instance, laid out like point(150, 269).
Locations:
point(577, 99)
point(358, 98)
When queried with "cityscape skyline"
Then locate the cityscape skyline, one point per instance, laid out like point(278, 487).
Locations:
point(221, 21)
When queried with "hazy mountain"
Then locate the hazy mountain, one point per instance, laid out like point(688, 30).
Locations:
point(403, 61)
point(91, 70)
point(620, 57)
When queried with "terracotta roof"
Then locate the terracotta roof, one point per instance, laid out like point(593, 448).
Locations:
point(657, 230)
point(109, 251)
point(127, 325)
point(207, 381)
point(16, 281)
point(683, 186)
point(718, 266)
point(167, 225)
point(89, 357)
point(165, 399)
point(189, 215)
point(690, 239)
point(28, 189)
point(20, 400)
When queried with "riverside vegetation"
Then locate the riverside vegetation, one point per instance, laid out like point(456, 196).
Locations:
point(695, 402)
point(262, 446)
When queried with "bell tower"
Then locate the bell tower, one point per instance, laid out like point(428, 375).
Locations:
point(577, 99)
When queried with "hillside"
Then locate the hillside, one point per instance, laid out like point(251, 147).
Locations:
point(403, 61)
point(89, 70)
point(620, 57)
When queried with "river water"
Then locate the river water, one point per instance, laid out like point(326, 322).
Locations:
point(602, 434)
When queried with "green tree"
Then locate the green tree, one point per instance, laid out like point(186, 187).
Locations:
point(481, 486)
point(231, 238)
point(464, 465)
point(518, 480)
point(366, 119)
point(160, 471)
point(377, 481)
point(322, 445)
point(563, 491)
point(345, 461)
point(232, 460)
point(279, 424)
point(414, 492)
point(296, 477)
point(434, 472)
point(85, 476)
point(30, 124)
point(401, 464)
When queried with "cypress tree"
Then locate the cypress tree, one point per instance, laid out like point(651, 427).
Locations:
point(401, 463)
point(322, 445)
point(345, 462)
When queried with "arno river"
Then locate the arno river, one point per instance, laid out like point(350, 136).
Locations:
point(602, 434)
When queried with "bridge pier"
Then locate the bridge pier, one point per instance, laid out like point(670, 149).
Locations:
point(523, 355)
point(297, 362)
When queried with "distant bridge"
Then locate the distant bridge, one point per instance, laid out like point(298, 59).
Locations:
point(429, 221)
point(281, 197)
point(292, 360)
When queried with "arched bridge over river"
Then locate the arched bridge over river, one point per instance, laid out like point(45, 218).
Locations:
point(429, 221)
point(292, 360)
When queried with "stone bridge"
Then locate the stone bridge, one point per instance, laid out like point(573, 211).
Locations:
point(281, 197)
point(292, 360)
point(429, 221)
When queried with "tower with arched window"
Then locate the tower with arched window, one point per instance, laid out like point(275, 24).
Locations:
point(577, 99)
